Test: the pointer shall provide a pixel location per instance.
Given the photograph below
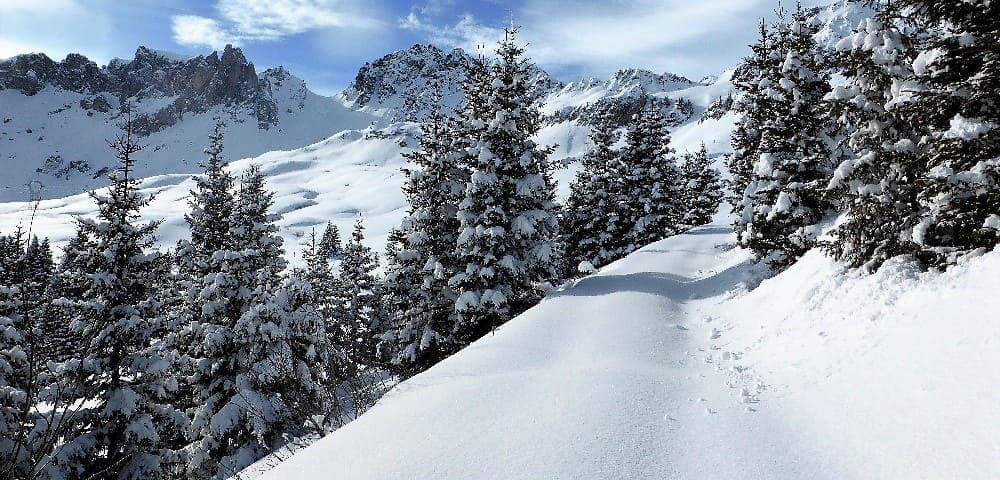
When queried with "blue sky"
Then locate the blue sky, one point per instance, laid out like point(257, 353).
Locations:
point(325, 41)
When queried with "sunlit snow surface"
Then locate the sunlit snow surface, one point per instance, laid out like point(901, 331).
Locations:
point(664, 366)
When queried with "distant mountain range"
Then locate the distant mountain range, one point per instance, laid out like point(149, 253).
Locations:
point(57, 116)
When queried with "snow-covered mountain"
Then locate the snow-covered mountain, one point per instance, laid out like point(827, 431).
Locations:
point(399, 86)
point(326, 153)
point(57, 116)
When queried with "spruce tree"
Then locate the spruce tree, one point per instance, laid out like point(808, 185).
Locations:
point(701, 188)
point(786, 197)
point(507, 217)
point(358, 292)
point(68, 282)
point(329, 244)
point(652, 189)
point(422, 260)
point(31, 414)
point(754, 106)
point(260, 346)
point(877, 182)
point(124, 375)
point(211, 210)
point(959, 66)
point(17, 349)
point(318, 273)
point(593, 225)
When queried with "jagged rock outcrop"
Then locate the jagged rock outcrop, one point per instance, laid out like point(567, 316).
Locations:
point(193, 85)
point(400, 83)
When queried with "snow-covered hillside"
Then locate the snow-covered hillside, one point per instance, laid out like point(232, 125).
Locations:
point(355, 171)
point(663, 366)
point(352, 173)
point(54, 134)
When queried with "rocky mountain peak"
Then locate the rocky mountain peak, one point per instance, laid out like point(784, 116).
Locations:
point(400, 84)
point(192, 84)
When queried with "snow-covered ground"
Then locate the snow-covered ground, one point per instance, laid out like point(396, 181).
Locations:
point(665, 365)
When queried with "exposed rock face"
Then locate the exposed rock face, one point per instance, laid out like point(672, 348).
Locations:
point(195, 84)
point(402, 82)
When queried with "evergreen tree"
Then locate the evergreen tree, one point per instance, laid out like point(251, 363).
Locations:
point(422, 260)
point(68, 282)
point(786, 198)
point(652, 189)
point(329, 244)
point(959, 66)
point(211, 211)
point(17, 350)
point(33, 416)
point(260, 346)
point(507, 217)
point(358, 291)
point(318, 273)
point(702, 188)
point(876, 183)
point(124, 375)
point(754, 107)
point(593, 222)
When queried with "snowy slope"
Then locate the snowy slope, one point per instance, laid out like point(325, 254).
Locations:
point(353, 173)
point(54, 142)
point(663, 366)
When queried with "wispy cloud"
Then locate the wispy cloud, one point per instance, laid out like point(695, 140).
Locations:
point(241, 21)
point(195, 31)
point(596, 37)
point(467, 33)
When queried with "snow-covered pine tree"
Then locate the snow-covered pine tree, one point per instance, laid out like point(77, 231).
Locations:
point(786, 198)
point(69, 281)
point(959, 66)
point(329, 243)
point(17, 349)
point(211, 210)
point(211, 301)
point(124, 374)
point(260, 346)
point(592, 224)
point(358, 292)
point(422, 259)
point(652, 190)
point(753, 105)
point(876, 183)
point(318, 273)
point(702, 188)
point(507, 217)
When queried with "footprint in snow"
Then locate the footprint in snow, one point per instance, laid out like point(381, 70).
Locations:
point(709, 411)
point(680, 327)
point(715, 334)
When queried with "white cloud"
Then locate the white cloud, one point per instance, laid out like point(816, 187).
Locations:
point(195, 31)
point(596, 37)
point(241, 21)
point(468, 33)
